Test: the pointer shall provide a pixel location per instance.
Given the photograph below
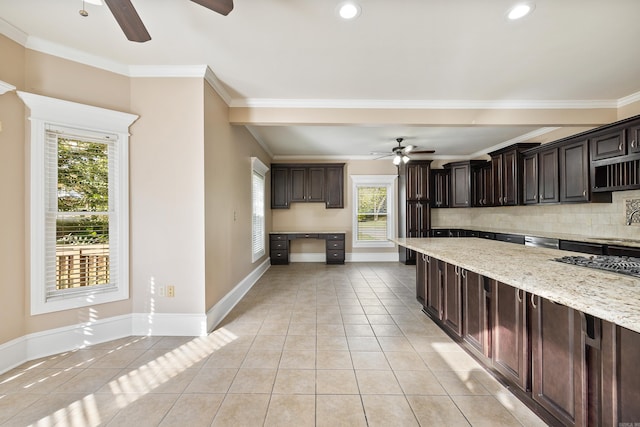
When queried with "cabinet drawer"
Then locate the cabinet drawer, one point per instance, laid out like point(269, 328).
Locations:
point(306, 236)
point(279, 255)
point(335, 244)
point(278, 245)
point(339, 236)
point(335, 256)
point(278, 237)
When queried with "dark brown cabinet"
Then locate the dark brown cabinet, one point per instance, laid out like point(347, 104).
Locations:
point(279, 249)
point(334, 248)
point(440, 182)
point(334, 187)
point(280, 245)
point(541, 176)
point(414, 209)
point(476, 330)
point(307, 183)
point(482, 184)
point(509, 344)
point(574, 171)
point(507, 170)
point(435, 278)
point(460, 185)
point(634, 139)
point(609, 143)
point(418, 180)
point(558, 361)
point(452, 300)
point(280, 187)
point(620, 376)
point(422, 277)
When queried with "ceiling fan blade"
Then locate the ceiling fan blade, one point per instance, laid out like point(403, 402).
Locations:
point(382, 156)
point(129, 20)
point(223, 7)
point(423, 152)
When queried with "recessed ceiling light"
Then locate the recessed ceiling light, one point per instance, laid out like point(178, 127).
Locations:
point(348, 10)
point(520, 11)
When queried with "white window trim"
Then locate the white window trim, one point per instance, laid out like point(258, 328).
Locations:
point(261, 169)
point(45, 111)
point(377, 180)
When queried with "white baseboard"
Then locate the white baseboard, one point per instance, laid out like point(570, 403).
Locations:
point(59, 340)
point(226, 304)
point(53, 341)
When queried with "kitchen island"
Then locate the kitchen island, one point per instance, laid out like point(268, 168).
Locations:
point(564, 338)
point(608, 296)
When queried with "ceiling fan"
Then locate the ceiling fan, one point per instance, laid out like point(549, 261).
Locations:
point(400, 153)
point(132, 25)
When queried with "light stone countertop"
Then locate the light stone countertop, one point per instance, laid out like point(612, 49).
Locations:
point(609, 296)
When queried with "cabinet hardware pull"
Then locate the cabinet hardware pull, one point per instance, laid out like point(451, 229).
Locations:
point(633, 143)
point(620, 147)
point(464, 273)
point(428, 260)
point(457, 269)
point(518, 297)
point(584, 193)
point(533, 304)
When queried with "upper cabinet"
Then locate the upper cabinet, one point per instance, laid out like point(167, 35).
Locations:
point(307, 183)
point(482, 184)
point(418, 180)
point(541, 177)
point(507, 170)
point(461, 188)
point(440, 181)
point(574, 171)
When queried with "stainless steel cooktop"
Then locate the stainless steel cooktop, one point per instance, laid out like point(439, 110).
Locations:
point(618, 264)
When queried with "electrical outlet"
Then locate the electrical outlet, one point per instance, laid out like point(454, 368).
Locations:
point(171, 291)
point(161, 291)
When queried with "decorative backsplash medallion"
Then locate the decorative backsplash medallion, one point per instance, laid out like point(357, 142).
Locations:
point(633, 205)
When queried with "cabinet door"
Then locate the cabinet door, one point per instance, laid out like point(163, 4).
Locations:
point(548, 190)
point(279, 188)
point(476, 325)
point(497, 171)
point(530, 179)
point(315, 184)
point(422, 276)
point(574, 172)
point(298, 184)
point(558, 361)
point(611, 143)
point(634, 139)
point(452, 300)
point(418, 181)
point(424, 219)
point(440, 185)
point(510, 178)
point(334, 187)
point(509, 341)
point(620, 375)
point(460, 186)
point(435, 283)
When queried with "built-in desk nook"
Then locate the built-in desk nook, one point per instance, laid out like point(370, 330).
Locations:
point(280, 243)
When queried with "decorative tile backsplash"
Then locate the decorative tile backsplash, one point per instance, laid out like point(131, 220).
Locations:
point(581, 219)
point(632, 206)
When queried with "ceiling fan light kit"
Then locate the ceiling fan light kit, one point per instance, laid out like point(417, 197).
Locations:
point(400, 153)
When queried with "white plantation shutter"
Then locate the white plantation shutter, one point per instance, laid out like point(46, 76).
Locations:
point(258, 173)
point(373, 210)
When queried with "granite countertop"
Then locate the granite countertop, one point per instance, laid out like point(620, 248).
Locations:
point(615, 241)
point(610, 296)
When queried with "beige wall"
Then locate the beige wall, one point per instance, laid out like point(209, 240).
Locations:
point(228, 205)
point(167, 194)
point(315, 217)
point(12, 184)
point(629, 110)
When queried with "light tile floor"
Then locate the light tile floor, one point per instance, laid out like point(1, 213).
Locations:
point(309, 345)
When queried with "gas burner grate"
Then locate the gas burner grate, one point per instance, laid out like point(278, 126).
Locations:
point(618, 264)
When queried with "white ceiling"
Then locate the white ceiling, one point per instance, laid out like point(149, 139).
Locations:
point(402, 51)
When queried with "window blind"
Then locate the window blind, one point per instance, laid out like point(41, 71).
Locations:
point(81, 170)
point(257, 228)
point(372, 213)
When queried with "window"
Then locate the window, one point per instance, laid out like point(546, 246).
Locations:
point(79, 204)
point(258, 172)
point(373, 202)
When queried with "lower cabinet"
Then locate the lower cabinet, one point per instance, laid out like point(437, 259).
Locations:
point(620, 376)
point(476, 300)
point(422, 270)
point(452, 300)
point(435, 278)
point(510, 347)
point(558, 361)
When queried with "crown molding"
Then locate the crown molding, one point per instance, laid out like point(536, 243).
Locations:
point(522, 138)
point(6, 87)
point(14, 33)
point(260, 141)
point(629, 99)
point(167, 70)
point(422, 104)
point(217, 85)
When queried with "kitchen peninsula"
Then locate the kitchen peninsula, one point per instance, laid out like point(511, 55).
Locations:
point(565, 338)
